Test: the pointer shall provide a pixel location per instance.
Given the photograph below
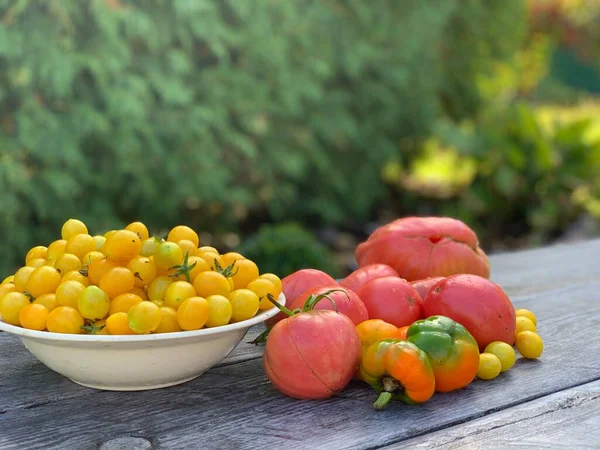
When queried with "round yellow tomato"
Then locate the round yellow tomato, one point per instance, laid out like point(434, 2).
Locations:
point(48, 300)
point(178, 292)
point(143, 270)
point(231, 257)
point(98, 268)
point(211, 283)
point(92, 256)
point(118, 324)
point(529, 344)
point(168, 321)
point(263, 288)
point(182, 232)
point(244, 304)
point(75, 275)
point(148, 247)
point(219, 311)
point(273, 279)
point(144, 317)
point(489, 366)
point(123, 303)
point(6, 288)
point(34, 316)
point(140, 229)
point(64, 319)
point(11, 306)
point(37, 252)
point(244, 271)
point(73, 227)
point(122, 245)
point(80, 244)
point(504, 352)
point(37, 262)
point(55, 249)
point(66, 263)
point(93, 303)
point(117, 281)
point(187, 247)
point(68, 293)
point(192, 313)
point(526, 313)
point(158, 286)
point(140, 292)
point(206, 248)
point(167, 254)
point(43, 280)
point(21, 277)
point(99, 241)
point(524, 324)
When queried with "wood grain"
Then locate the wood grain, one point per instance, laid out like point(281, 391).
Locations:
point(567, 419)
point(234, 406)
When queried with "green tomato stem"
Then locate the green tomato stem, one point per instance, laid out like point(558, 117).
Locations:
point(383, 399)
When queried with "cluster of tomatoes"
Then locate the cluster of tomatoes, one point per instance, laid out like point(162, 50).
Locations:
point(128, 282)
point(499, 356)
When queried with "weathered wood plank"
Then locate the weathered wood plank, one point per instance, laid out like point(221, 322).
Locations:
point(567, 419)
point(234, 406)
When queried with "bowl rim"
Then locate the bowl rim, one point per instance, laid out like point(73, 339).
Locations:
point(65, 337)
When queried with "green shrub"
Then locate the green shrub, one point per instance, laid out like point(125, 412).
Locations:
point(205, 111)
point(286, 248)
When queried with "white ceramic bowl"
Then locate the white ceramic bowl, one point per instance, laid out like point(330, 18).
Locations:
point(138, 362)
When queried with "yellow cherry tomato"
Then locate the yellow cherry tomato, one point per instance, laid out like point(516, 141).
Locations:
point(178, 292)
point(168, 321)
point(73, 227)
point(140, 292)
point(211, 283)
point(231, 257)
point(64, 319)
point(118, 324)
point(140, 229)
point(92, 256)
point(143, 270)
point(37, 262)
point(144, 317)
point(34, 316)
point(117, 281)
point(6, 288)
point(200, 266)
point(11, 306)
point(43, 280)
point(37, 252)
point(55, 249)
point(122, 245)
point(166, 255)
point(529, 344)
point(80, 244)
point(182, 232)
point(504, 352)
point(244, 272)
point(206, 248)
point(21, 277)
point(244, 304)
point(148, 247)
point(66, 263)
point(524, 324)
point(489, 366)
point(93, 303)
point(99, 241)
point(273, 279)
point(158, 286)
point(193, 313)
point(68, 293)
point(263, 288)
point(123, 303)
point(48, 300)
point(186, 246)
point(75, 275)
point(8, 279)
point(219, 311)
point(526, 313)
point(98, 268)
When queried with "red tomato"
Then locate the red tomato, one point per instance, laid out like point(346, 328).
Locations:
point(391, 299)
point(478, 304)
point(296, 284)
point(365, 273)
point(346, 301)
point(312, 355)
point(422, 286)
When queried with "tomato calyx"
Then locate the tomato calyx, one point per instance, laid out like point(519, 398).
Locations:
point(309, 305)
point(180, 269)
point(91, 327)
point(228, 271)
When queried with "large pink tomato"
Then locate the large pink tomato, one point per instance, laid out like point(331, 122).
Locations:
point(478, 304)
point(365, 273)
point(422, 286)
point(392, 300)
point(421, 247)
point(346, 301)
point(297, 283)
point(312, 355)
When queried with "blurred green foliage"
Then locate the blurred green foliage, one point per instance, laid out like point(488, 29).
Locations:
point(212, 113)
point(287, 247)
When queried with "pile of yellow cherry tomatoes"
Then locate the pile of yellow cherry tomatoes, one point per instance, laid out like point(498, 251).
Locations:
point(499, 357)
point(127, 282)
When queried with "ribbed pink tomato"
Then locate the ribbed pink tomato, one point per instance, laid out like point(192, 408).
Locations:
point(365, 273)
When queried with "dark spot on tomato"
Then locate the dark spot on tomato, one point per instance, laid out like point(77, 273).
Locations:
point(435, 239)
point(437, 290)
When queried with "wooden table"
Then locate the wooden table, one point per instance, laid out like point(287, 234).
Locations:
point(549, 403)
